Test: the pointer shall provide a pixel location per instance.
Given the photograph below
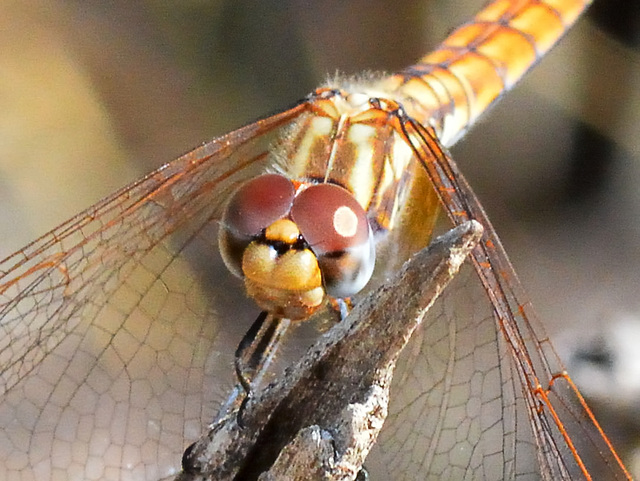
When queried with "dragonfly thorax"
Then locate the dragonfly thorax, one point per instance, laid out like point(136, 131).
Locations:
point(294, 243)
point(353, 139)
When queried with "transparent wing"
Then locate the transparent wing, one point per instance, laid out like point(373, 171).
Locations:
point(483, 395)
point(456, 403)
point(114, 327)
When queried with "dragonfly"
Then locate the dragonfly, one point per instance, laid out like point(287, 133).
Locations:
point(139, 291)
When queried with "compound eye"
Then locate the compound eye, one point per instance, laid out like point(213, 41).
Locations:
point(336, 228)
point(258, 203)
point(252, 208)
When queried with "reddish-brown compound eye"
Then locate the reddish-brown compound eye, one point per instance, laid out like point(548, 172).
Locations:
point(252, 208)
point(336, 228)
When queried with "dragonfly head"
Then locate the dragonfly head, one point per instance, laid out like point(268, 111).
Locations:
point(294, 243)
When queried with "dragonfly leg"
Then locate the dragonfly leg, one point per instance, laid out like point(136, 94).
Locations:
point(256, 351)
point(342, 307)
point(257, 348)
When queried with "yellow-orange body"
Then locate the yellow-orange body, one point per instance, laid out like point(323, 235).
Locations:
point(346, 140)
point(351, 135)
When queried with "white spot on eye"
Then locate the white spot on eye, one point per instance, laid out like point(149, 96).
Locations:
point(345, 221)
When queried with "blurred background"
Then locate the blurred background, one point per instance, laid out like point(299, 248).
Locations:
point(95, 94)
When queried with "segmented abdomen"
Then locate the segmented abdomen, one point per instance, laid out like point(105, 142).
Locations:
point(450, 87)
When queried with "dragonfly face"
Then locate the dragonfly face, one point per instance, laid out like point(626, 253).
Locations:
point(293, 245)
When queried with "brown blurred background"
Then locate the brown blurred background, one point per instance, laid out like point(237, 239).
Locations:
point(95, 94)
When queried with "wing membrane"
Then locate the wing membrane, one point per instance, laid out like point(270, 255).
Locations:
point(109, 324)
point(456, 408)
point(559, 419)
